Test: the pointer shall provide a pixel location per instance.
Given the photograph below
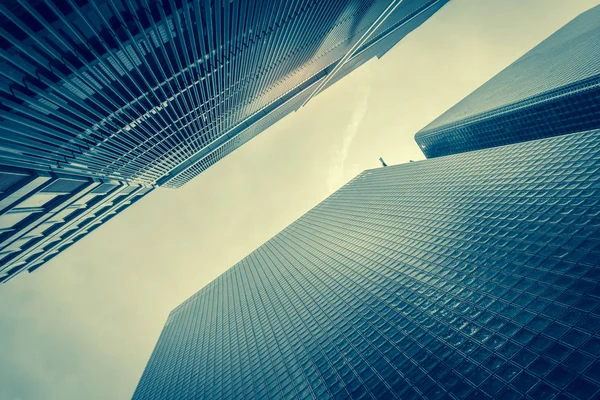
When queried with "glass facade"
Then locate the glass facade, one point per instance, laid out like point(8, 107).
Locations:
point(131, 95)
point(470, 276)
point(554, 89)
point(43, 214)
point(155, 92)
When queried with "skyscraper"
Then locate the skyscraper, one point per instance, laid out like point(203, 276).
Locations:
point(470, 276)
point(42, 214)
point(143, 91)
point(552, 90)
point(139, 94)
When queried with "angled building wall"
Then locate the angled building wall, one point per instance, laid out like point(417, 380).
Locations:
point(554, 89)
point(42, 214)
point(111, 89)
point(470, 276)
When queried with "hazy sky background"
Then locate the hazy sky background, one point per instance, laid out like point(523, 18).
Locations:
point(83, 326)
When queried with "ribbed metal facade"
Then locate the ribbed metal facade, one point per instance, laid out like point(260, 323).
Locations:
point(155, 92)
point(42, 214)
point(129, 94)
point(554, 89)
point(470, 276)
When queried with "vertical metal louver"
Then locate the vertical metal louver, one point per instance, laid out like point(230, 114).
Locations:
point(143, 91)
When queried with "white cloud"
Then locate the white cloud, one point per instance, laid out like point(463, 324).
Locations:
point(337, 174)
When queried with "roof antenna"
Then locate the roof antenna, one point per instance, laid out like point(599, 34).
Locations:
point(382, 162)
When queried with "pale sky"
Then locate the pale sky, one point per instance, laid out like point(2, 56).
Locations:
point(83, 326)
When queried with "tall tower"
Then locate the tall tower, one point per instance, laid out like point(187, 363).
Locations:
point(470, 276)
point(117, 97)
point(147, 91)
point(554, 89)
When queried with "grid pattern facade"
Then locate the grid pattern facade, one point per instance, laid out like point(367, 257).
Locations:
point(42, 214)
point(553, 89)
point(139, 91)
point(470, 276)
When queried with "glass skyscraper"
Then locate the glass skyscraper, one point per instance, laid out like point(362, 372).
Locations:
point(554, 89)
point(130, 95)
point(42, 214)
point(475, 275)
point(154, 92)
